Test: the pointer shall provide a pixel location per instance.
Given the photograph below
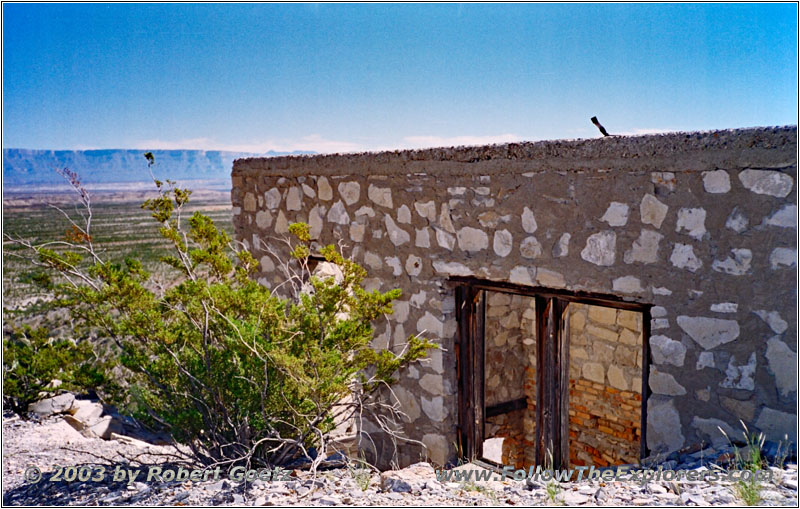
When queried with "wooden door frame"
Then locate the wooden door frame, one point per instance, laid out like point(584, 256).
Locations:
point(552, 377)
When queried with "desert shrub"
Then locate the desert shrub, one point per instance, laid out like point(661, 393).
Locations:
point(236, 371)
point(32, 361)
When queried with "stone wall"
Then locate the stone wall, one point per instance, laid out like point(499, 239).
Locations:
point(700, 226)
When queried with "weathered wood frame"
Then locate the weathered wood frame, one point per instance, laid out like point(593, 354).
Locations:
point(552, 373)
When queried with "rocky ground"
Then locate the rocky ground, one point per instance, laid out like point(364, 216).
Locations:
point(52, 441)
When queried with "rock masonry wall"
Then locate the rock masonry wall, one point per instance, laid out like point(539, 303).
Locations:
point(701, 226)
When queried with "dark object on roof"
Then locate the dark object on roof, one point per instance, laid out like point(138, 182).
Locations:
point(599, 126)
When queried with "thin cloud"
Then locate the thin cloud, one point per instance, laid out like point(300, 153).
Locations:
point(445, 141)
point(310, 143)
point(640, 132)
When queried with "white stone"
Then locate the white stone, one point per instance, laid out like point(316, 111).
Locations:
point(785, 217)
point(338, 214)
point(773, 319)
point(397, 235)
point(445, 221)
point(550, 278)
point(521, 275)
point(735, 265)
point(400, 310)
point(324, 190)
point(413, 265)
point(777, 425)
point(430, 324)
point(528, 220)
point(263, 219)
point(457, 191)
point(667, 351)
point(717, 431)
point(365, 211)
point(423, 237)
point(472, 239)
point(530, 248)
point(661, 290)
point(771, 183)
point(266, 263)
point(281, 224)
point(438, 451)
point(709, 332)
point(616, 214)
point(737, 221)
point(740, 376)
point(432, 383)
point(380, 195)
point(272, 198)
point(692, 222)
point(426, 209)
point(404, 215)
point(452, 268)
point(600, 248)
point(249, 202)
point(394, 263)
point(372, 260)
point(409, 407)
point(782, 363)
point(652, 211)
point(502, 243)
point(561, 248)
point(645, 248)
point(444, 239)
point(658, 312)
point(704, 360)
point(664, 383)
point(357, 232)
point(783, 257)
point(294, 199)
point(725, 307)
point(665, 179)
point(594, 371)
point(717, 181)
point(309, 191)
point(315, 221)
point(659, 323)
point(683, 257)
point(616, 378)
point(663, 426)
point(628, 284)
point(350, 192)
point(434, 408)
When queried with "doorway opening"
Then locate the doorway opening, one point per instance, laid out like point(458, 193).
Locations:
point(550, 378)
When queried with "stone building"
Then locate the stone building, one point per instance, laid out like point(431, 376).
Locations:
point(596, 301)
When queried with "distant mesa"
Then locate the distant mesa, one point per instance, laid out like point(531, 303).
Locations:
point(24, 167)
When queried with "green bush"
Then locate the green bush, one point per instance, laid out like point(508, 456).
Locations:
point(229, 367)
point(32, 361)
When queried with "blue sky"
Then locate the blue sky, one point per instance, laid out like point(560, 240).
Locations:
point(346, 77)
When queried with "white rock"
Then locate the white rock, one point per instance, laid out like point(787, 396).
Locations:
point(600, 248)
point(652, 211)
point(737, 221)
point(365, 211)
point(713, 430)
point(725, 307)
point(616, 378)
point(472, 239)
point(594, 371)
point(664, 179)
point(683, 257)
point(663, 426)
point(740, 376)
point(372, 260)
point(380, 195)
point(281, 223)
point(338, 214)
point(785, 217)
point(394, 263)
point(667, 351)
point(783, 257)
point(452, 268)
point(413, 265)
point(530, 248)
point(52, 405)
point(324, 190)
point(397, 235)
point(776, 425)
point(357, 232)
point(404, 215)
point(430, 325)
point(294, 199)
point(438, 452)
point(645, 248)
point(550, 278)
point(704, 360)
point(434, 408)
point(521, 275)
point(528, 220)
point(423, 237)
point(661, 290)
point(735, 265)
point(432, 383)
point(692, 222)
point(664, 383)
point(249, 202)
point(502, 243)
point(709, 332)
point(717, 181)
point(658, 312)
point(400, 308)
point(263, 219)
point(771, 183)
point(426, 209)
point(616, 214)
point(773, 319)
point(266, 264)
point(315, 221)
point(561, 248)
point(350, 192)
point(444, 239)
point(628, 284)
point(782, 363)
point(445, 220)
